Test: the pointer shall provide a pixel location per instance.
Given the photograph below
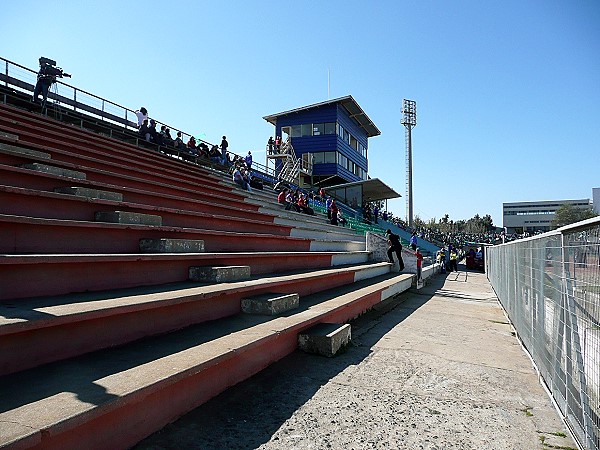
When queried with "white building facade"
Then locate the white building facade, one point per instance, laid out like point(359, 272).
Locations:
point(520, 217)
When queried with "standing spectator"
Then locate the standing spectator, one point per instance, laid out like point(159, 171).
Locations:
point(413, 241)
point(419, 263)
point(270, 144)
point(453, 261)
point(375, 213)
point(334, 213)
point(142, 114)
point(328, 207)
point(394, 245)
point(277, 144)
point(248, 160)
point(224, 145)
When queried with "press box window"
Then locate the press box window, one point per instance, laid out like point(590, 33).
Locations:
point(296, 130)
point(307, 129)
point(329, 128)
point(318, 129)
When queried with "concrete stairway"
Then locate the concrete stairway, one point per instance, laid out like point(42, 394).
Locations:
point(122, 277)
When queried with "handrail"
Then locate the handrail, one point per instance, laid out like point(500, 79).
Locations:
point(75, 103)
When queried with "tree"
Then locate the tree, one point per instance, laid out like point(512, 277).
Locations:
point(568, 214)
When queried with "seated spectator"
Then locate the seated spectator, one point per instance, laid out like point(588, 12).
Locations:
point(179, 142)
point(153, 133)
point(191, 145)
point(144, 131)
point(238, 178)
point(303, 205)
point(281, 197)
point(203, 150)
point(291, 201)
point(215, 154)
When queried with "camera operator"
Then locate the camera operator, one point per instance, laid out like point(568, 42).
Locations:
point(46, 77)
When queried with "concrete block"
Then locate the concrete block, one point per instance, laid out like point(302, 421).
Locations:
point(128, 218)
point(90, 193)
point(270, 304)
point(9, 136)
point(20, 151)
point(325, 339)
point(171, 245)
point(58, 171)
point(219, 274)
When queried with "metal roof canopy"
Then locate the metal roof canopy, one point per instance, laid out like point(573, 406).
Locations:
point(349, 104)
point(372, 190)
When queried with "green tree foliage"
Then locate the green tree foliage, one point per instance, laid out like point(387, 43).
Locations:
point(568, 214)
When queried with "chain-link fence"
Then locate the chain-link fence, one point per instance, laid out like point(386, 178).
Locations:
point(549, 286)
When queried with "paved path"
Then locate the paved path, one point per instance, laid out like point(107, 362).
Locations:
point(437, 368)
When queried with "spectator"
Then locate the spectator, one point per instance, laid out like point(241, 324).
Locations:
point(144, 131)
point(248, 160)
point(453, 261)
point(281, 198)
point(179, 142)
point(153, 133)
point(328, 207)
point(191, 146)
point(277, 144)
point(341, 218)
point(413, 241)
point(166, 136)
point(224, 145)
point(303, 205)
point(394, 245)
point(142, 114)
point(238, 179)
point(334, 211)
point(270, 145)
point(419, 263)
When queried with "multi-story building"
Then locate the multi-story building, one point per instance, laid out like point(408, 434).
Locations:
point(519, 217)
point(334, 134)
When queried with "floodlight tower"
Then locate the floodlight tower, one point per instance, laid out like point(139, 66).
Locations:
point(409, 120)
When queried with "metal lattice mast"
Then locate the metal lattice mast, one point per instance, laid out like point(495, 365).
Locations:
point(409, 120)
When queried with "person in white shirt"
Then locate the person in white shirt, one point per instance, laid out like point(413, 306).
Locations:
point(142, 114)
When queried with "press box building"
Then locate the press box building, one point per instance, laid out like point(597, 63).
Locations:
point(335, 133)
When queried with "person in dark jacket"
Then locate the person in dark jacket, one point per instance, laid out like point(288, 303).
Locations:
point(394, 245)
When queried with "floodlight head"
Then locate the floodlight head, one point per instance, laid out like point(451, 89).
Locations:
point(409, 113)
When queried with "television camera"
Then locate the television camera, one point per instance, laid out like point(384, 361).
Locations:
point(48, 69)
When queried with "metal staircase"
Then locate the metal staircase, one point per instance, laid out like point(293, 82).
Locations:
point(287, 166)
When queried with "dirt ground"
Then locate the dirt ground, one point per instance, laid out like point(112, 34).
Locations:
point(437, 368)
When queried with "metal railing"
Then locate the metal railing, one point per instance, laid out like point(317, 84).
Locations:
point(549, 286)
point(23, 79)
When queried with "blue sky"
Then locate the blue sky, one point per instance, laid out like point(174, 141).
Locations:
point(508, 93)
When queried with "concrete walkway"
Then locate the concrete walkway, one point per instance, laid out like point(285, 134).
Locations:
point(437, 368)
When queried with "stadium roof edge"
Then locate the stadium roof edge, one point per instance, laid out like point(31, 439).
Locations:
point(348, 102)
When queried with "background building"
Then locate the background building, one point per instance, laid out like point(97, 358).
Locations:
point(519, 217)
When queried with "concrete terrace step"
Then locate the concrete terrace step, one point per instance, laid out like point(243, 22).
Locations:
point(97, 272)
point(22, 234)
point(26, 179)
point(56, 328)
point(121, 395)
point(52, 205)
point(97, 151)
